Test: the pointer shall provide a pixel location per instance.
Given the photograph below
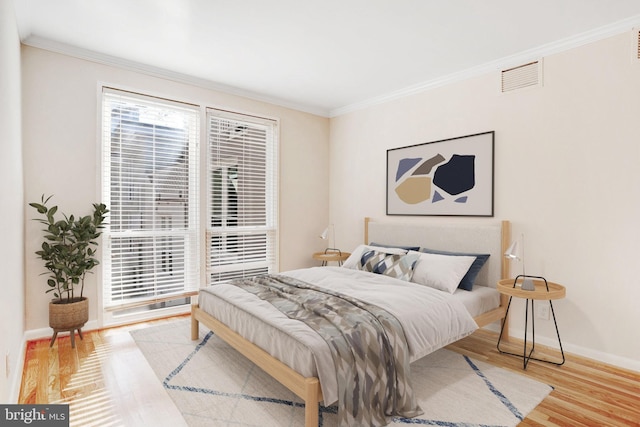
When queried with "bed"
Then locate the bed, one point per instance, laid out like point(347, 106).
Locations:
point(292, 353)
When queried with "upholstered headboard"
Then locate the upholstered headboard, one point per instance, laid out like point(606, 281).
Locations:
point(483, 238)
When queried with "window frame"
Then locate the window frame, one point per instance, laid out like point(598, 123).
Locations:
point(111, 318)
point(150, 233)
point(271, 198)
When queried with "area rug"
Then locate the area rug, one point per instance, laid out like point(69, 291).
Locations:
point(213, 385)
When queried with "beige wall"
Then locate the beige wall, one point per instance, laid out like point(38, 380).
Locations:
point(567, 175)
point(61, 152)
point(12, 324)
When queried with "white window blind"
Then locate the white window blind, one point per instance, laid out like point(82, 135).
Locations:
point(150, 185)
point(242, 196)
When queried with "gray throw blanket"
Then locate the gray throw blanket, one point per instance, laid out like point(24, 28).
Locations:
point(367, 343)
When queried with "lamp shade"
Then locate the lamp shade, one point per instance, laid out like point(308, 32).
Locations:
point(329, 234)
point(325, 234)
point(513, 251)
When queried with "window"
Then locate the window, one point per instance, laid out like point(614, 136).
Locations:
point(150, 165)
point(242, 202)
point(155, 242)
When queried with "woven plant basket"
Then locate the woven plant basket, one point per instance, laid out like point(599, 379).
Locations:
point(67, 316)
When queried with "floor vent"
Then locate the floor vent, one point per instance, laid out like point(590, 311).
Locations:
point(521, 76)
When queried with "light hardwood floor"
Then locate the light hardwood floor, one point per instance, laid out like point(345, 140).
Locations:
point(586, 392)
point(107, 382)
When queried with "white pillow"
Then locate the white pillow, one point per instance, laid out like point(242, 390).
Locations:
point(442, 272)
point(354, 259)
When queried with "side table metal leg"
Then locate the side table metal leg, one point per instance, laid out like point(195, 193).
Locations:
point(530, 357)
point(527, 354)
point(553, 313)
point(503, 323)
point(559, 342)
point(526, 328)
point(533, 327)
point(527, 357)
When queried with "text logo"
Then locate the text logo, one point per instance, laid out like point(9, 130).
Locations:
point(34, 415)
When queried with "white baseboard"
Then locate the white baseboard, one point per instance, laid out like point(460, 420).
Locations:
point(38, 334)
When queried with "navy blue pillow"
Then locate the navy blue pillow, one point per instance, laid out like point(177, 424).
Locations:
point(467, 281)
point(408, 248)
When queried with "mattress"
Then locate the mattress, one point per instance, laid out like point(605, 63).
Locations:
point(480, 300)
point(430, 318)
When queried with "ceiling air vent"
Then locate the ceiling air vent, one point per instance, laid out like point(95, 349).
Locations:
point(521, 76)
point(637, 44)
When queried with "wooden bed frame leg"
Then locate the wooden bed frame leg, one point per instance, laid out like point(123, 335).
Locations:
point(505, 273)
point(311, 402)
point(194, 323)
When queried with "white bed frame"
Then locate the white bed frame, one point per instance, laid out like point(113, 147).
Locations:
point(491, 238)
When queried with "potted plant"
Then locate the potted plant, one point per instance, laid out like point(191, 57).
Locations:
point(68, 252)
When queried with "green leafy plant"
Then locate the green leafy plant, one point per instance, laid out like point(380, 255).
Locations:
point(69, 247)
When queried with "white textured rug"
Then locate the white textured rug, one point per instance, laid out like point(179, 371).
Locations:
point(213, 385)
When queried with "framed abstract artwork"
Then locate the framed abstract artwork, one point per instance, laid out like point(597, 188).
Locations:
point(448, 177)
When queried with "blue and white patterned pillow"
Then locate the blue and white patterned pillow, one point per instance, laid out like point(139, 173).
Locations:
point(392, 265)
point(355, 259)
point(369, 259)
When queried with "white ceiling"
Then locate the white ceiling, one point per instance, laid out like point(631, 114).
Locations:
point(325, 57)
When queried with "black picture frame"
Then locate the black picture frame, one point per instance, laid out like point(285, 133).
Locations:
point(449, 177)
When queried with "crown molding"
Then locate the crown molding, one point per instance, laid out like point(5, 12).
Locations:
point(505, 62)
point(100, 58)
point(502, 63)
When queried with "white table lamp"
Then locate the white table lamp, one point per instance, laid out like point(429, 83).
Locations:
point(329, 233)
point(514, 252)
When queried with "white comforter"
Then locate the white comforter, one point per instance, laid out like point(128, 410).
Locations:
point(431, 319)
